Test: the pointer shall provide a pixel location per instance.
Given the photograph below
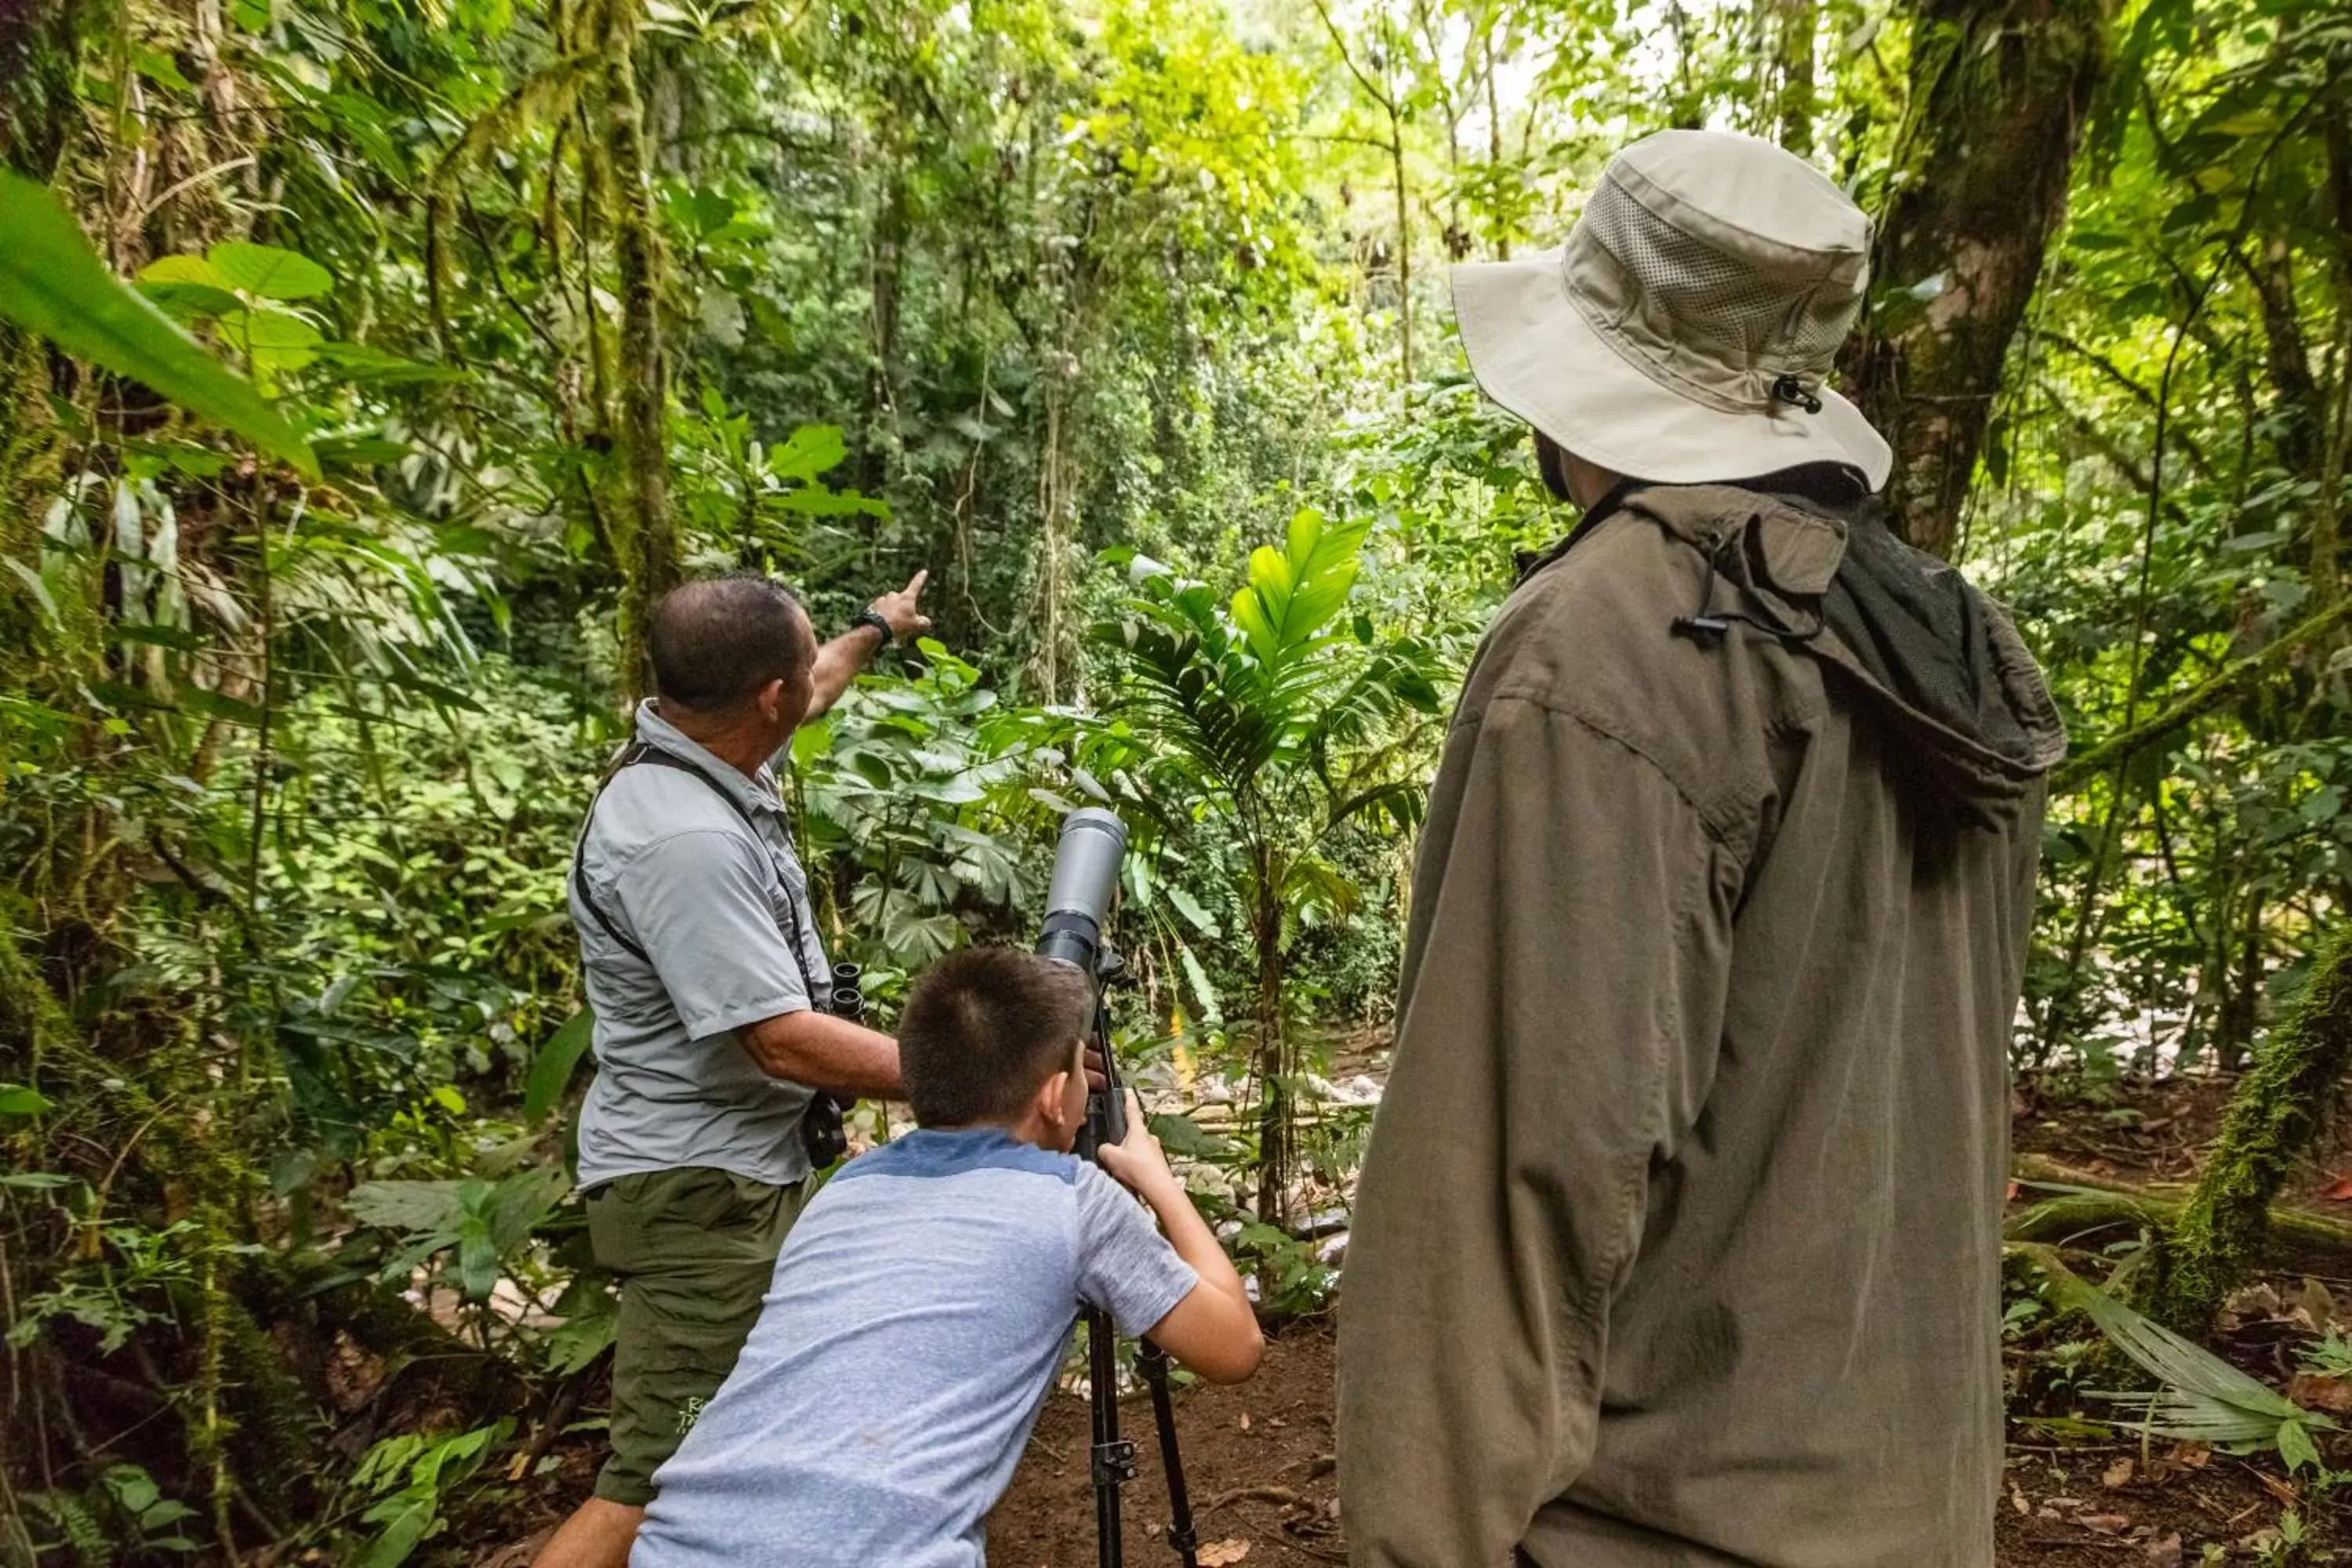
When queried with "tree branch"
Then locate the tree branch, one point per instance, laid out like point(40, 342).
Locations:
point(2114, 373)
point(2201, 699)
point(1347, 58)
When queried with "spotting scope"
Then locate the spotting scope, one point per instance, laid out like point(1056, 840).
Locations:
point(1077, 902)
point(1085, 875)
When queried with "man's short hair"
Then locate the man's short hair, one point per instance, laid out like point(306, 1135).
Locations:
point(984, 1028)
point(715, 642)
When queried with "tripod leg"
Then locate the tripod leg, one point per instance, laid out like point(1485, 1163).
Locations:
point(1113, 1456)
point(1152, 1362)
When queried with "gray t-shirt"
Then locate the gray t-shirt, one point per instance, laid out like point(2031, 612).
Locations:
point(905, 1345)
point(678, 870)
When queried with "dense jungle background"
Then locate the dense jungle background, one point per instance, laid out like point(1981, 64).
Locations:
point(368, 366)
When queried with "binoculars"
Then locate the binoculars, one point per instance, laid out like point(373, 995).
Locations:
point(823, 1131)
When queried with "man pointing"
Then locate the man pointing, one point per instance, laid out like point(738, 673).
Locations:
point(703, 965)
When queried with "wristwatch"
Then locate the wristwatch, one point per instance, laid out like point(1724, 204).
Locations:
point(879, 622)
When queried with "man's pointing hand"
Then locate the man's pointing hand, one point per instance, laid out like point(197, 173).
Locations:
point(902, 609)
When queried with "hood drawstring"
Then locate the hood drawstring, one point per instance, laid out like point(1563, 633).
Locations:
point(1711, 623)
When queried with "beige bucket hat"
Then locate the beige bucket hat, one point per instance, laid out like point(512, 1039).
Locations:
point(1686, 330)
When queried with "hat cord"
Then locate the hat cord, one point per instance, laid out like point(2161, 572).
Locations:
point(1787, 388)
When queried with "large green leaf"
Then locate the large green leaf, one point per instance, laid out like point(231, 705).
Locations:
point(1211, 1006)
point(53, 283)
point(16, 1100)
point(405, 1206)
point(269, 272)
point(401, 1533)
point(272, 339)
point(1188, 906)
point(191, 269)
point(813, 449)
point(188, 286)
point(1294, 592)
point(552, 1070)
point(2201, 1398)
point(578, 1340)
point(518, 1203)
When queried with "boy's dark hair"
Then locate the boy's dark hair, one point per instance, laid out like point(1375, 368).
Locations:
point(984, 1027)
point(715, 642)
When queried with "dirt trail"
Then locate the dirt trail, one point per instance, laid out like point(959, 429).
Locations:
point(1259, 1458)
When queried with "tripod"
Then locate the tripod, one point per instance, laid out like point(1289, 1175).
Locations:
point(1114, 1456)
point(1086, 878)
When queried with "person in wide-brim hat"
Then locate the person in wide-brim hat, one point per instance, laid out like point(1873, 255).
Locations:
point(1677, 1240)
point(1686, 330)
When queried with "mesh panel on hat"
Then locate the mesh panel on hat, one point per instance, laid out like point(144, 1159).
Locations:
point(1712, 294)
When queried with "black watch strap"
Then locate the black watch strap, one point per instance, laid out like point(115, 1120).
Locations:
point(876, 619)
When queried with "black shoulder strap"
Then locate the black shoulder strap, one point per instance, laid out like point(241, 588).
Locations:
point(787, 924)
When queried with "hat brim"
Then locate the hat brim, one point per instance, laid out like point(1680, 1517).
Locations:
point(1533, 352)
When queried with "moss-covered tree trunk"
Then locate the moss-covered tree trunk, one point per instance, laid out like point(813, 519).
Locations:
point(40, 47)
point(644, 536)
point(1998, 92)
point(1795, 96)
point(2275, 1114)
point(39, 58)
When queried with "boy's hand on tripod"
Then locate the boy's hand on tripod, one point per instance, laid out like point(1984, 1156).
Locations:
point(1137, 1160)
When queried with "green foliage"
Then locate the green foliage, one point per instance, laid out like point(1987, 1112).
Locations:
point(2287, 1094)
point(52, 283)
point(123, 1515)
point(1263, 713)
point(410, 1477)
point(289, 771)
point(474, 1223)
point(127, 1278)
point(2198, 1397)
point(551, 1068)
point(915, 792)
point(1291, 1278)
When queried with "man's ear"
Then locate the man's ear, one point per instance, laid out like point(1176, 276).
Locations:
point(1048, 1103)
point(1552, 466)
point(771, 700)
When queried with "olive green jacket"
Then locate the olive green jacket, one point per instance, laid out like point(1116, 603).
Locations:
point(1678, 1238)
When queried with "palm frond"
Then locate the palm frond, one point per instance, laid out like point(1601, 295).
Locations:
point(2202, 1398)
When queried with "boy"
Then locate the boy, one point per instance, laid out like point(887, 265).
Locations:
point(925, 1297)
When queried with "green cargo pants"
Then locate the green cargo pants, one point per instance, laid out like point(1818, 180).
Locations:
point(694, 1249)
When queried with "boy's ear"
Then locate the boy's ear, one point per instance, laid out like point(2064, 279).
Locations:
point(1048, 1103)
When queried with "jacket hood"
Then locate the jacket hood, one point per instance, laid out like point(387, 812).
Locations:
point(1903, 631)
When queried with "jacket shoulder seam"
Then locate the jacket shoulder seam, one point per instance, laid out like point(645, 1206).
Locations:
point(1717, 815)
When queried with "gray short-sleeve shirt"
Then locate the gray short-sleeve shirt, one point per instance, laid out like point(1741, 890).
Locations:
point(709, 898)
point(903, 1351)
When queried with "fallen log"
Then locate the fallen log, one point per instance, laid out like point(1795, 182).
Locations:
point(2086, 1208)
